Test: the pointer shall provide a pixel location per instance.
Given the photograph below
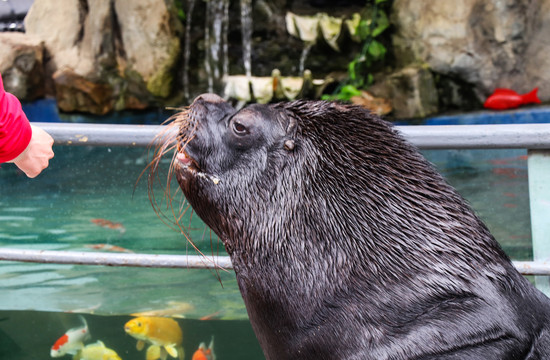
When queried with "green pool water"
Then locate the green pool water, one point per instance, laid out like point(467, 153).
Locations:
point(55, 212)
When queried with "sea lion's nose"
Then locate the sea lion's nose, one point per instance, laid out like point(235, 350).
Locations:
point(211, 98)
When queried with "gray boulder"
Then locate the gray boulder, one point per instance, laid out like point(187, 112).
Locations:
point(485, 43)
point(128, 49)
point(21, 65)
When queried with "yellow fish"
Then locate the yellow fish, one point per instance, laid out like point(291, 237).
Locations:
point(96, 351)
point(164, 335)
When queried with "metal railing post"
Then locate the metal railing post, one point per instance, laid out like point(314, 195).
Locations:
point(539, 201)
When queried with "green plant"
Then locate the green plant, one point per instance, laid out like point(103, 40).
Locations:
point(180, 9)
point(345, 93)
point(369, 27)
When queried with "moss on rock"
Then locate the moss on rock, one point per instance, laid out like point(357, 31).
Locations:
point(160, 83)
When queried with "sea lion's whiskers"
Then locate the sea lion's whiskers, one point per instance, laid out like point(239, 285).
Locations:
point(179, 130)
point(183, 231)
point(182, 212)
point(165, 142)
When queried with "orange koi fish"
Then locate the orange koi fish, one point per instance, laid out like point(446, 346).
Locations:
point(164, 335)
point(503, 99)
point(108, 247)
point(108, 224)
point(204, 353)
point(72, 341)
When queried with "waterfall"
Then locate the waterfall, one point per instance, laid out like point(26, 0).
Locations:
point(215, 39)
point(246, 30)
point(303, 57)
point(216, 44)
point(225, 30)
point(207, 55)
point(187, 49)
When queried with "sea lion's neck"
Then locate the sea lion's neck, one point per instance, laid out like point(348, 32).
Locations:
point(332, 228)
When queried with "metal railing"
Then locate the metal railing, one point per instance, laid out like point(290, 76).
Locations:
point(529, 136)
point(114, 259)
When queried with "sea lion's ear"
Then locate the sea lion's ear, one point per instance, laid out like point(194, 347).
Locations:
point(290, 131)
point(289, 144)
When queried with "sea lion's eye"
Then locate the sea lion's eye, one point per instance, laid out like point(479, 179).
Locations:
point(239, 128)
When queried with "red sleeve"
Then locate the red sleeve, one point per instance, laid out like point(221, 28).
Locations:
point(15, 129)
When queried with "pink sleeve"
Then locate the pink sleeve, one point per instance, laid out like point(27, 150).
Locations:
point(15, 129)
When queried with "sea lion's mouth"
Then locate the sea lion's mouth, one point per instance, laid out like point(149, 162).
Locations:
point(188, 164)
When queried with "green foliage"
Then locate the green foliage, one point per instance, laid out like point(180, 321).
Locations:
point(346, 92)
point(179, 9)
point(372, 24)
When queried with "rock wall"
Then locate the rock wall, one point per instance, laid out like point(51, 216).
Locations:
point(21, 65)
point(107, 55)
point(484, 44)
point(102, 55)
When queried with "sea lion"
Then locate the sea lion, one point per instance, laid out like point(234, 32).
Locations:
point(346, 242)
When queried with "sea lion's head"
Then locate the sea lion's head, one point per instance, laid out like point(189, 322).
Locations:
point(226, 156)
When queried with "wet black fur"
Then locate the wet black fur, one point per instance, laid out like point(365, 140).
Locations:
point(351, 245)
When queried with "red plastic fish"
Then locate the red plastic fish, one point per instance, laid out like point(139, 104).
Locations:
point(503, 99)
